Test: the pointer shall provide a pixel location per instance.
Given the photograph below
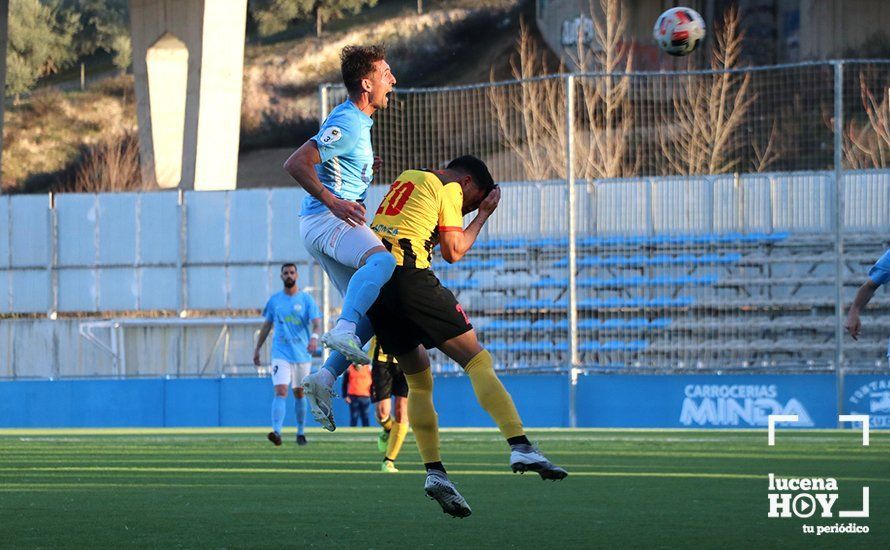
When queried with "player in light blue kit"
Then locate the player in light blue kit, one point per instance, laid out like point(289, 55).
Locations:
point(878, 275)
point(291, 312)
point(336, 167)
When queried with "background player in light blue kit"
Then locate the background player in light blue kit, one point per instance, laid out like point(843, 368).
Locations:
point(878, 275)
point(291, 312)
point(336, 167)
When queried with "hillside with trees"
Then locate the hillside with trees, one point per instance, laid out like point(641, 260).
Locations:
point(54, 131)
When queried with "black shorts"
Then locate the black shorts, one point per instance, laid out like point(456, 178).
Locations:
point(413, 309)
point(387, 380)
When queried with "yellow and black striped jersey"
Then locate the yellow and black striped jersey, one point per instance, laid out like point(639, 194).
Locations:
point(416, 209)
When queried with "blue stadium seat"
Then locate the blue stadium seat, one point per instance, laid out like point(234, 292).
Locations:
point(471, 284)
point(657, 259)
point(657, 302)
point(630, 240)
point(687, 239)
point(627, 282)
point(550, 324)
point(500, 346)
point(502, 244)
point(613, 345)
point(467, 265)
point(661, 322)
point(635, 323)
point(503, 324)
point(496, 346)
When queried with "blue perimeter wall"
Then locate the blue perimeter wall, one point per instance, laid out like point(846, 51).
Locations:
point(620, 401)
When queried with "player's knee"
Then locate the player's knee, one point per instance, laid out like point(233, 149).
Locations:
point(383, 262)
point(281, 391)
point(298, 392)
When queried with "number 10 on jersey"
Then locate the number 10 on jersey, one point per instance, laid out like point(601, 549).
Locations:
point(395, 200)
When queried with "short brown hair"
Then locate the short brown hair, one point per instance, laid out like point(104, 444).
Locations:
point(477, 169)
point(357, 62)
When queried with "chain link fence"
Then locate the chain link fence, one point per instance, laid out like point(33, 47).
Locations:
point(694, 221)
point(701, 220)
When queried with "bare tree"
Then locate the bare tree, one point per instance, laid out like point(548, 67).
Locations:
point(531, 113)
point(604, 135)
point(867, 145)
point(698, 134)
point(766, 154)
point(111, 165)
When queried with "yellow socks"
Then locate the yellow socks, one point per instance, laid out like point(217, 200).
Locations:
point(396, 438)
point(492, 395)
point(422, 413)
point(386, 423)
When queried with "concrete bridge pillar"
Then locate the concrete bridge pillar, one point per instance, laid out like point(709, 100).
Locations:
point(188, 59)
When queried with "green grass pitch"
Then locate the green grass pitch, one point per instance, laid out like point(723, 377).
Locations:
point(219, 488)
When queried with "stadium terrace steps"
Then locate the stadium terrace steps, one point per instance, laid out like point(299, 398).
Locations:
point(762, 304)
point(659, 302)
point(634, 241)
point(550, 325)
point(500, 346)
point(468, 265)
point(590, 282)
point(733, 299)
point(652, 260)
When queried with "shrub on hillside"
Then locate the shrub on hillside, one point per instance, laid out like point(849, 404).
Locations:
point(110, 165)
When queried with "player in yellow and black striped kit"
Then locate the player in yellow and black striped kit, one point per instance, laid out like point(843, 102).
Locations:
point(414, 311)
point(388, 381)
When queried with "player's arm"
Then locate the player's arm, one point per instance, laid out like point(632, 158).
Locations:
point(878, 275)
point(455, 244)
point(313, 339)
point(863, 296)
point(301, 166)
point(264, 333)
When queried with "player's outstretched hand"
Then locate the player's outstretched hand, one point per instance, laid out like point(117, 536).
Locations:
point(853, 325)
point(256, 358)
point(350, 212)
point(377, 165)
point(491, 201)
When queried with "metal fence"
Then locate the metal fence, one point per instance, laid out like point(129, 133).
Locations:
point(607, 258)
point(600, 256)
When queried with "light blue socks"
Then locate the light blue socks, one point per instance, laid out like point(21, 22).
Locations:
point(365, 284)
point(301, 414)
point(278, 408)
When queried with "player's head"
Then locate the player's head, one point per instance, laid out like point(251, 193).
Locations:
point(365, 71)
point(289, 275)
point(474, 178)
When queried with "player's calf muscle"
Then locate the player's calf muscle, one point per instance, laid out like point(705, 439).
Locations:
point(463, 348)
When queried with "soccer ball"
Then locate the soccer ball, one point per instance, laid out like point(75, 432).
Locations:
point(679, 31)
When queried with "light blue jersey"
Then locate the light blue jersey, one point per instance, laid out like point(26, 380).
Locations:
point(292, 317)
point(344, 143)
point(880, 272)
